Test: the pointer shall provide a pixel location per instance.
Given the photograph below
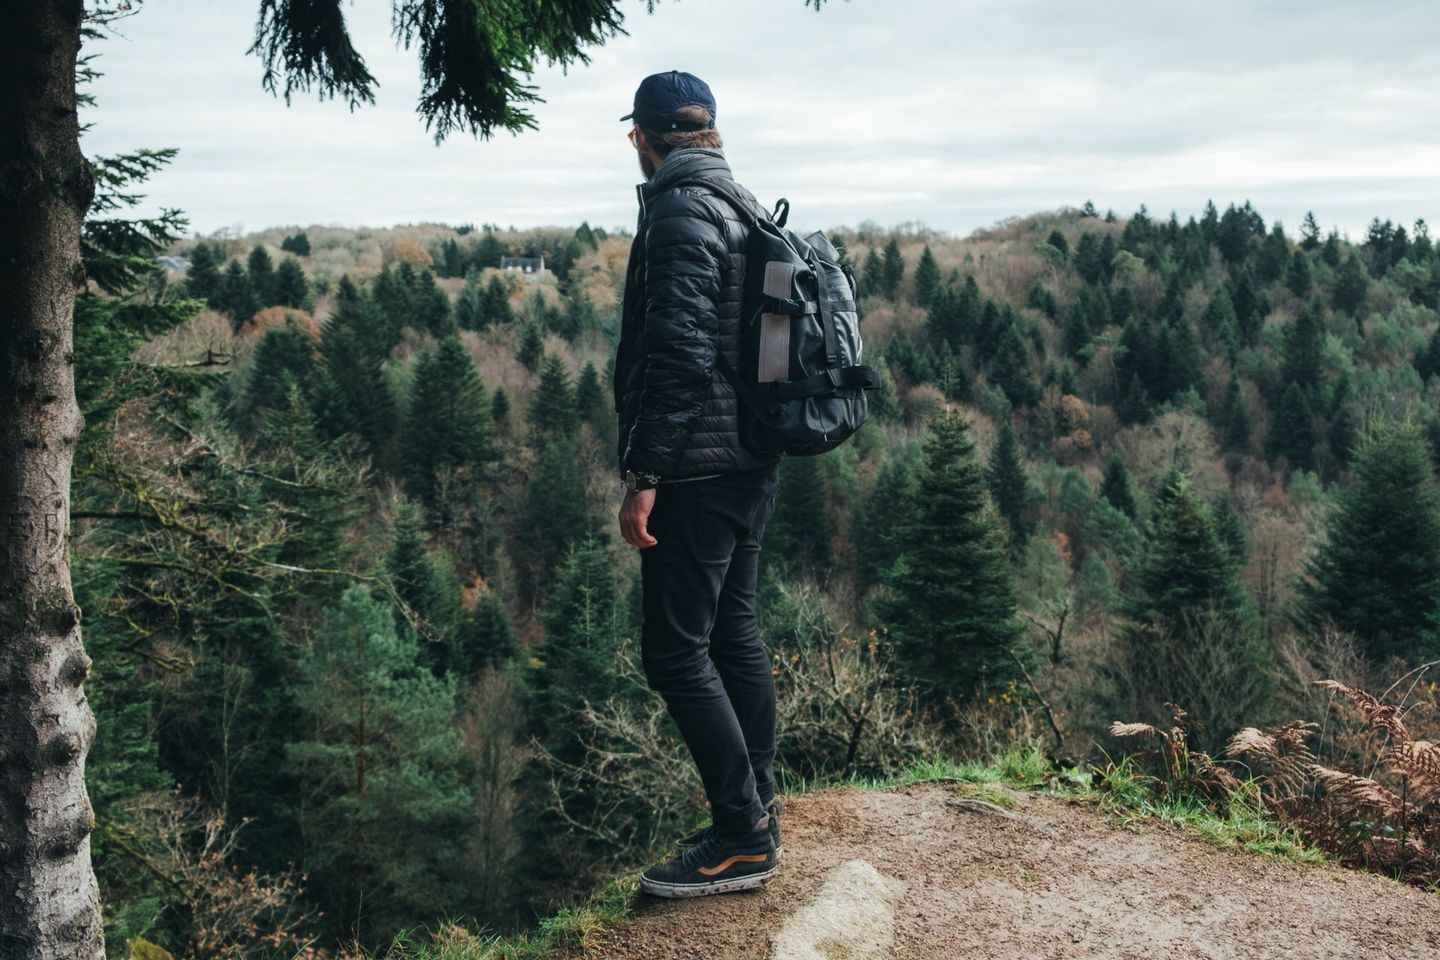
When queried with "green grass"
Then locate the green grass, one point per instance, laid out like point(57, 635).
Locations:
point(1239, 821)
point(569, 927)
point(1122, 789)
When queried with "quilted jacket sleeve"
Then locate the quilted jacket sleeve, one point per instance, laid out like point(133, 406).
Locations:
point(683, 252)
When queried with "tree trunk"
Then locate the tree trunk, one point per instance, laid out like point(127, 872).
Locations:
point(49, 902)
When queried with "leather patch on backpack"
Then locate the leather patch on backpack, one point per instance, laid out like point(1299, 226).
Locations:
point(774, 352)
point(779, 279)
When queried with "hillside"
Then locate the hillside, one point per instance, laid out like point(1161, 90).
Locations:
point(343, 490)
point(927, 871)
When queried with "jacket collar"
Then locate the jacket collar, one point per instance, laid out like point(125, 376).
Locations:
point(683, 164)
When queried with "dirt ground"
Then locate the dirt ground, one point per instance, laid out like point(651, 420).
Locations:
point(923, 872)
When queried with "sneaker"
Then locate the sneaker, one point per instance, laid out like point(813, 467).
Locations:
point(695, 836)
point(717, 864)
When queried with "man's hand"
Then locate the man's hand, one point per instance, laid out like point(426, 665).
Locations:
point(634, 514)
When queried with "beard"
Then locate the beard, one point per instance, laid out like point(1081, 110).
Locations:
point(647, 166)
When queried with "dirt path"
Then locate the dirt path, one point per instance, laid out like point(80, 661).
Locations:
point(909, 873)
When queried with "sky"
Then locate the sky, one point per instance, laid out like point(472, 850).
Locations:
point(951, 114)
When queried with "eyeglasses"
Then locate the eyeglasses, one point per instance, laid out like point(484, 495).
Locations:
point(631, 136)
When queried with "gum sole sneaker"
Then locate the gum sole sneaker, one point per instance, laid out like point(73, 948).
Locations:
point(717, 864)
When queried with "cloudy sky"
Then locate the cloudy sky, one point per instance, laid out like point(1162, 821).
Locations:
point(950, 113)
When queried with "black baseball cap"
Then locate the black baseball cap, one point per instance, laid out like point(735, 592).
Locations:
point(661, 94)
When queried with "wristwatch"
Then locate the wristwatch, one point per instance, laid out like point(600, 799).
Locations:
point(640, 481)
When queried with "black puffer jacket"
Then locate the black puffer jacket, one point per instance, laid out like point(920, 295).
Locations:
point(678, 413)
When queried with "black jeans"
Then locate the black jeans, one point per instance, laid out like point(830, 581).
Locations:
point(700, 639)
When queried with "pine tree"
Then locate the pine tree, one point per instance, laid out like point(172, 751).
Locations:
point(299, 244)
point(432, 306)
point(261, 271)
point(950, 601)
point(872, 274)
point(798, 536)
point(584, 620)
point(1309, 232)
point(452, 259)
point(1236, 425)
point(489, 251)
point(1344, 422)
point(1010, 488)
point(877, 528)
point(557, 514)
point(379, 769)
point(447, 426)
point(1220, 321)
point(579, 316)
point(588, 392)
point(351, 395)
point(1377, 573)
point(1135, 407)
point(1298, 277)
point(202, 277)
point(1078, 332)
point(1040, 298)
point(1010, 369)
point(1250, 309)
point(1123, 308)
point(236, 296)
point(553, 414)
point(469, 314)
point(1330, 252)
point(1118, 486)
point(393, 294)
point(1352, 288)
point(285, 357)
point(532, 346)
point(287, 426)
point(1181, 359)
point(893, 270)
point(1304, 340)
point(586, 236)
point(485, 639)
point(500, 410)
point(1191, 636)
point(1087, 259)
point(927, 277)
point(1427, 361)
point(1274, 258)
point(1234, 236)
point(428, 585)
point(291, 287)
point(1292, 428)
point(495, 304)
point(1058, 241)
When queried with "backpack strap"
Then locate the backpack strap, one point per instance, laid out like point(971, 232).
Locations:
point(725, 189)
point(861, 375)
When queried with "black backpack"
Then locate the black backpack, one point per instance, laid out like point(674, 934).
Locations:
point(801, 383)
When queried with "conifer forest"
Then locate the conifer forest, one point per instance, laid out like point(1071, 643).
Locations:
point(1141, 491)
point(364, 630)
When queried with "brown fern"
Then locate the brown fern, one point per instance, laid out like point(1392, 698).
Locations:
point(1389, 821)
point(1279, 756)
point(1172, 764)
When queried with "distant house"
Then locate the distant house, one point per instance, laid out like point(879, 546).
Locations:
point(529, 265)
point(173, 264)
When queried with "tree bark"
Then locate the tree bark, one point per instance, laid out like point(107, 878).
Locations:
point(49, 902)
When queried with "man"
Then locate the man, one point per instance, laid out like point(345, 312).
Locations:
point(697, 501)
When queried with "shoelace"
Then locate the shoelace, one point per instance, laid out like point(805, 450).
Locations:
point(701, 852)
